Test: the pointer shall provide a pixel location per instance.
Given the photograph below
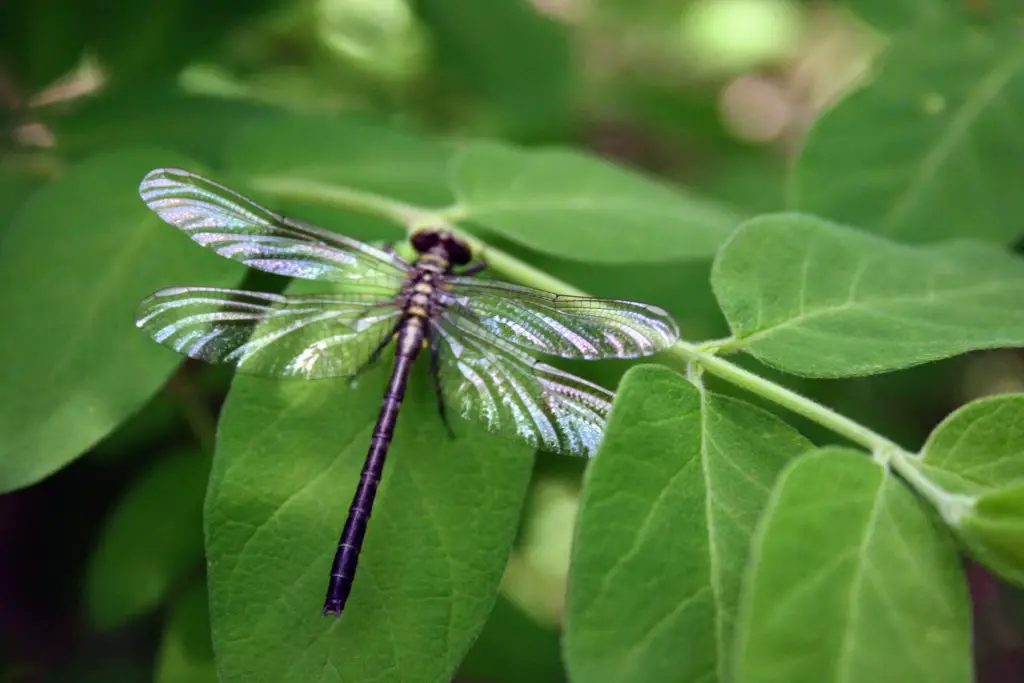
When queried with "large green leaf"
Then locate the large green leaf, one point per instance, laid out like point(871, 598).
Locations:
point(946, 160)
point(153, 536)
point(667, 514)
point(154, 116)
point(350, 152)
point(579, 207)
point(15, 186)
point(851, 580)
point(287, 462)
point(818, 299)
point(299, 163)
point(507, 52)
point(185, 654)
point(75, 263)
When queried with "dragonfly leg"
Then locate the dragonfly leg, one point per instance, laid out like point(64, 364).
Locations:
point(376, 353)
point(389, 249)
point(435, 374)
point(474, 268)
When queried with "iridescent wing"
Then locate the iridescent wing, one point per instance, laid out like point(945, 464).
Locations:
point(559, 325)
point(516, 396)
point(311, 336)
point(240, 229)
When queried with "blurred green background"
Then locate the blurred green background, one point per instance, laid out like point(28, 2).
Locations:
point(714, 96)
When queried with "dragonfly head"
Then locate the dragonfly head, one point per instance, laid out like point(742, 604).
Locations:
point(455, 251)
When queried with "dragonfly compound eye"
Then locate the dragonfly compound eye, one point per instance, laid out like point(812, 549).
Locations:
point(459, 253)
point(425, 240)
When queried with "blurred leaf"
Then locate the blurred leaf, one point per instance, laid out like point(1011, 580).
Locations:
point(145, 42)
point(157, 418)
point(579, 207)
point(895, 15)
point(159, 117)
point(751, 180)
point(79, 257)
point(513, 648)
point(288, 459)
point(851, 581)
point(346, 151)
point(153, 536)
point(505, 51)
point(381, 38)
point(40, 41)
point(301, 161)
point(680, 507)
point(979, 446)
point(947, 159)
point(15, 186)
point(822, 300)
point(186, 655)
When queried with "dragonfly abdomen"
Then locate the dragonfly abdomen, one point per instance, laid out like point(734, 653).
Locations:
point(346, 559)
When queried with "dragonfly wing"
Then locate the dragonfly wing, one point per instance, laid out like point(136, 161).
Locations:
point(559, 325)
point(516, 396)
point(241, 230)
point(272, 335)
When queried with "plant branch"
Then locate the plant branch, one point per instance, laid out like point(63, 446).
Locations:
point(681, 354)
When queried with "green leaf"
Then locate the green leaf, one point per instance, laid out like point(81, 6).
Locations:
point(977, 452)
point(994, 531)
point(151, 116)
point(578, 207)
point(288, 459)
point(851, 580)
point(979, 446)
point(947, 159)
point(15, 186)
point(153, 536)
point(675, 493)
point(508, 53)
point(186, 655)
point(140, 43)
point(897, 15)
point(300, 161)
point(80, 256)
point(821, 300)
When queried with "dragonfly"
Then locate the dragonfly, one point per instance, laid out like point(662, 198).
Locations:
point(481, 334)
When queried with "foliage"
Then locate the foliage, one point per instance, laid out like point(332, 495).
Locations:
point(718, 538)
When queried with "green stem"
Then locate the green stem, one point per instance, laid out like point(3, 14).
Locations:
point(686, 353)
point(513, 269)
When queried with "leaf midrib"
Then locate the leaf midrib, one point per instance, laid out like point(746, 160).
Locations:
point(853, 606)
point(713, 561)
point(933, 161)
point(943, 296)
